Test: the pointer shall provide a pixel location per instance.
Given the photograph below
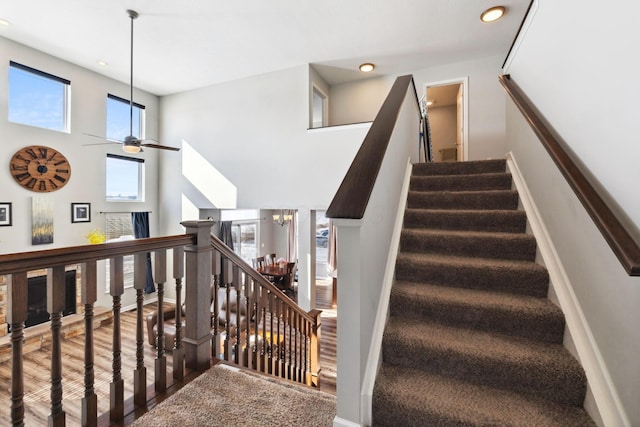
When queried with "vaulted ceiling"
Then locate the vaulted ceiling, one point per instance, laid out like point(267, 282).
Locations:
point(183, 45)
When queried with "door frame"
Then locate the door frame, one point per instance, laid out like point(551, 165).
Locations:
point(464, 81)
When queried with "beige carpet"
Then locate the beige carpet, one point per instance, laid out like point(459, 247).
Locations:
point(224, 396)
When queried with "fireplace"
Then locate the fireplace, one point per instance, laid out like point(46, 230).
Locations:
point(37, 298)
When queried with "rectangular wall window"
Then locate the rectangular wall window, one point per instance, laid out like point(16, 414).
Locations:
point(245, 241)
point(37, 98)
point(125, 179)
point(119, 228)
point(120, 122)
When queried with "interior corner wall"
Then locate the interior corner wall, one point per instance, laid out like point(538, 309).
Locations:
point(88, 100)
point(358, 101)
point(315, 79)
point(486, 121)
point(585, 84)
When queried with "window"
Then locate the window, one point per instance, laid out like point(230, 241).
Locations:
point(244, 240)
point(119, 119)
point(119, 227)
point(125, 179)
point(37, 98)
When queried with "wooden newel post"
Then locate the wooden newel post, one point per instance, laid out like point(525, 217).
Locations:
point(197, 340)
point(314, 349)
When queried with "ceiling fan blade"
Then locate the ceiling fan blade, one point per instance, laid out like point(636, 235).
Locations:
point(163, 147)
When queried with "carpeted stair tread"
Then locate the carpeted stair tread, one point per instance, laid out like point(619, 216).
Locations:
point(456, 168)
point(507, 221)
point(505, 313)
point(511, 363)
point(486, 181)
point(521, 277)
point(410, 397)
point(486, 199)
point(517, 246)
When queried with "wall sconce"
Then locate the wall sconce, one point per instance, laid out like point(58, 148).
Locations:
point(282, 218)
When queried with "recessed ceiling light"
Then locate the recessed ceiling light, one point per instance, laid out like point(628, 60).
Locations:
point(4, 22)
point(367, 67)
point(492, 14)
point(102, 63)
point(430, 102)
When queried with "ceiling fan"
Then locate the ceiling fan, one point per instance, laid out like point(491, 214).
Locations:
point(132, 144)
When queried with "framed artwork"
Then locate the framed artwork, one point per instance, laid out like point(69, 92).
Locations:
point(5, 214)
point(80, 212)
point(41, 220)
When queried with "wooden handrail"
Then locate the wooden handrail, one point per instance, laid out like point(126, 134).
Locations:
point(353, 194)
point(617, 236)
point(25, 261)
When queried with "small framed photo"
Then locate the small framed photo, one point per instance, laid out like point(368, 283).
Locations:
point(80, 212)
point(5, 214)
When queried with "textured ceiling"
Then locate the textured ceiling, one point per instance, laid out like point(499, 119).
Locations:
point(182, 45)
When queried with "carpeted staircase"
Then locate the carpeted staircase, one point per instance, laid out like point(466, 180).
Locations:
point(472, 338)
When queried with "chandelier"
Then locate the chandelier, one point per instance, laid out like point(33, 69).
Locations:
point(284, 217)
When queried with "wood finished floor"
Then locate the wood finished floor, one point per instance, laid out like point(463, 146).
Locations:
point(37, 365)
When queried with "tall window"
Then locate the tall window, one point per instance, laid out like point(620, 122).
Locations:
point(119, 118)
point(245, 240)
point(125, 179)
point(119, 228)
point(37, 98)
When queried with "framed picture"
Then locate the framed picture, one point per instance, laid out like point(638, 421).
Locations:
point(5, 214)
point(80, 212)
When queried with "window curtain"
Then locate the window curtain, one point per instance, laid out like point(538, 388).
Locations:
point(140, 222)
point(292, 237)
point(227, 238)
point(332, 260)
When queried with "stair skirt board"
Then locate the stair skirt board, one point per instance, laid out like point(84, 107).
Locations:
point(467, 358)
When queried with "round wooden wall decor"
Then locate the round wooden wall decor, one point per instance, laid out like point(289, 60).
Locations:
point(39, 168)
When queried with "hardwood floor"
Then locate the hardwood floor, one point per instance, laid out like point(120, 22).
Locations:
point(37, 365)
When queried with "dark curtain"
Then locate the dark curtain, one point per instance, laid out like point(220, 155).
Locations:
point(227, 238)
point(140, 222)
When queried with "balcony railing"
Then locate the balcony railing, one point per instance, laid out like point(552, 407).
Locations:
point(276, 336)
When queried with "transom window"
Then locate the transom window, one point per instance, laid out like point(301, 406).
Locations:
point(37, 98)
point(125, 179)
point(119, 119)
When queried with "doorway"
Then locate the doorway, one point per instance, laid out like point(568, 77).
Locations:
point(447, 107)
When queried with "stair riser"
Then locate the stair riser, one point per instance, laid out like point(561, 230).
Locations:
point(459, 168)
point(489, 200)
point(461, 183)
point(536, 379)
point(479, 318)
point(523, 249)
point(525, 281)
point(505, 222)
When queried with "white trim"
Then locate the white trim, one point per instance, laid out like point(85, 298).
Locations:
point(341, 422)
point(604, 392)
point(375, 349)
point(335, 128)
point(464, 81)
point(518, 41)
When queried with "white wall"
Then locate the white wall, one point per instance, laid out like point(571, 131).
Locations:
point(444, 128)
point(358, 101)
point(585, 83)
point(486, 102)
point(87, 183)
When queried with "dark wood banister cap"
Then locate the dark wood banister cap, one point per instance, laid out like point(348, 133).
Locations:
point(352, 197)
point(619, 238)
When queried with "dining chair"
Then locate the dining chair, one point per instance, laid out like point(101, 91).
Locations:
point(258, 262)
point(270, 259)
point(286, 284)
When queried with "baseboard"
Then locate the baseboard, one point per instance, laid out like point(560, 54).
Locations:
point(609, 408)
point(375, 349)
point(340, 422)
